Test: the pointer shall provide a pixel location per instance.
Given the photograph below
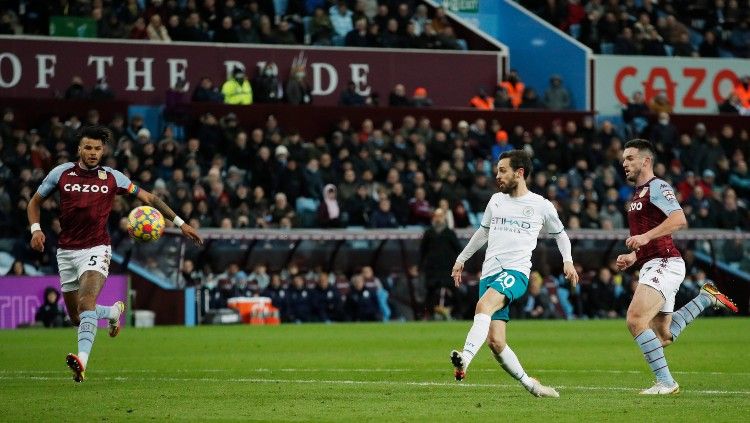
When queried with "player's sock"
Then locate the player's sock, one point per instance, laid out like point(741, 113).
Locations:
point(682, 317)
point(476, 337)
point(509, 362)
point(653, 352)
point(86, 335)
point(103, 312)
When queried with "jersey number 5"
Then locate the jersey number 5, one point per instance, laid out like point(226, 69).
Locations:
point(92, 261)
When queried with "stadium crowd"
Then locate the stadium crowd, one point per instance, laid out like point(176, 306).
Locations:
point(384, 175)
point(672, 28)
point(315, 295)
point(355, 23)
point(217, 172)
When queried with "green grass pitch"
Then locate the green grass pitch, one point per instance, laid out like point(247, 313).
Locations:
point(370, 372)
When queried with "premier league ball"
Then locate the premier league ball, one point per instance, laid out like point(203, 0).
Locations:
point(145, 224)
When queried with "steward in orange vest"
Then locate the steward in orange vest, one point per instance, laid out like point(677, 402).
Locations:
point(514, 87)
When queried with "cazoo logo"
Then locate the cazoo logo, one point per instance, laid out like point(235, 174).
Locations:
point(635, 206)
point(85, 188)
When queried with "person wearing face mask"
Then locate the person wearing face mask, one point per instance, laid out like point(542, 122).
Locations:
point(267, 87)
point(237, 89)
point(297, 89)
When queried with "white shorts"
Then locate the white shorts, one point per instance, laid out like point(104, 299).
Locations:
point(73, 263)
point(664, 275)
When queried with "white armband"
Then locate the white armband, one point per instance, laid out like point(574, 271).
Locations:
point(35, 227)
point(178, 221)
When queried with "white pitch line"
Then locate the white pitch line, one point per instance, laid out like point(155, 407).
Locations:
point(360, 382)
point(381, 370)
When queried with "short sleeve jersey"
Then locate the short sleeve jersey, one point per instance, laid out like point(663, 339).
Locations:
point(652, 202)
point(86, 197)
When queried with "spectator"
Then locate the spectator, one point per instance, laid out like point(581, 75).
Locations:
point(636, 114)
point(297, 88)
point(603, 301)
point(514, 87)
point(556, 97)
point(739, 179)
point(283, 34)
point(625, 44)
point(237, 90)
point(358, 37)
point(101, 90)
point(226, 32)
point(156, 31)
point(326, 301)
point(742, 91)
point(383, 217)
point(530, 99)
point(732, 216)
point(246, 33)
point(359, 207)
point(321, 28)
point(341, 21)
point(537, 304)
point(112, 28)
point(438, 251)
point(420, 98)
point(361, 303)
point(397, 97)
point(660, 104)
point(683, 46)
point(75, 90)
point(709, 46)
point(482, 101)
point(138, 31)
point(299, 301)
point(50, 313)
point(207, 92)
point(281, 209)
point(350, 96)
point(329, 211)
point(278, 295)
point(501, 145)
point(267, 86)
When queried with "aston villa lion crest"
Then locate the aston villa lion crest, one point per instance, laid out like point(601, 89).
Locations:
point(102, 175)
point(643, 192)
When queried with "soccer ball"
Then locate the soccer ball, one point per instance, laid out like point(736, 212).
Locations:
point(145, 224)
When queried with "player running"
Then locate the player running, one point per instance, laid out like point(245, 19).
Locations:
point(653, 216)
point(87, 191)
point(512, 222)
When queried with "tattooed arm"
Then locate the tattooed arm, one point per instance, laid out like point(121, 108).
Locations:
point(169, 214)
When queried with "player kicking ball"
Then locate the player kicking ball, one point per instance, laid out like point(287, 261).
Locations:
point(653, 216)
point(87, 191)
point(510, 225)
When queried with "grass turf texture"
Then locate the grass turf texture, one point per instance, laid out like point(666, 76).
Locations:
point(370, 372)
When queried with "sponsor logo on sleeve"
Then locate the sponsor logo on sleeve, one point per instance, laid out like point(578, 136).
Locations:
point(669, 195)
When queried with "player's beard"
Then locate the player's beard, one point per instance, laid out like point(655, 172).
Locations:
point(507, 188)
point(633, 177)
point(89, 166)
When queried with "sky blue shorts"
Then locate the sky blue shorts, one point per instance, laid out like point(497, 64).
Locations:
point(511, 283)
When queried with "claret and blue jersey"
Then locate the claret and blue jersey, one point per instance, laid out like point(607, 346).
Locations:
point(652, 202)
point(86, 197)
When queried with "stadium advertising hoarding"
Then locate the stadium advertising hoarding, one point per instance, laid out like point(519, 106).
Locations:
point(20, 297)
point(141, 72)
point(692, 85)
